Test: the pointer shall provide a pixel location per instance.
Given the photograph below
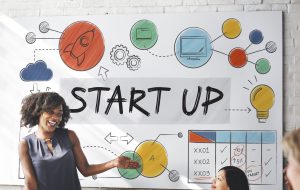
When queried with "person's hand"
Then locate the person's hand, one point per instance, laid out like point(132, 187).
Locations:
point(286, 180)
point(125, 162)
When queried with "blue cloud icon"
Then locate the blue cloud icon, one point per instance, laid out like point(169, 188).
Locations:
point(37, 71)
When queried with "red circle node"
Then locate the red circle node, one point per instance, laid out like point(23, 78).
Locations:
point(81, 46)
point(238, 57)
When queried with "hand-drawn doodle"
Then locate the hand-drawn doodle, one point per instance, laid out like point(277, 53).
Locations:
point(81, 46)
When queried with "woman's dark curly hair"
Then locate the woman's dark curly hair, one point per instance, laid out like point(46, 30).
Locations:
point(36, 104)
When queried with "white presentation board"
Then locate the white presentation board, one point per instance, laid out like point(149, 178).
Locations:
point(182, 94)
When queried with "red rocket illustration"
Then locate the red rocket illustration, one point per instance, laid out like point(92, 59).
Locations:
point(80, 46)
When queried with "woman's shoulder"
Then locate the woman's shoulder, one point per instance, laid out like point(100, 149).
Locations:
point(65, 131)
point(28, 137)
point(72, 135)
point(61, 130)
point(68, 133)
point(26, 141)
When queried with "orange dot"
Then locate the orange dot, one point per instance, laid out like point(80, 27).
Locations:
point(238, 57)
point(81, 46)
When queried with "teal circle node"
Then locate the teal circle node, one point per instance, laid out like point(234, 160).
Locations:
point(131, 173)
point(143, 34)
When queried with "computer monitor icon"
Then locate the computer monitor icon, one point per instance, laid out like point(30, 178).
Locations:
point(193, 46)
point(143, 34)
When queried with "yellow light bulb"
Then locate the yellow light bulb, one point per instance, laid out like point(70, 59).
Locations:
point(262, 99)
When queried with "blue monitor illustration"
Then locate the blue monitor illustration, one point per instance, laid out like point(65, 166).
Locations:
point(193, 46)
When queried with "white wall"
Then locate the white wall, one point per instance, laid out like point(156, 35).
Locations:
point(291, 39)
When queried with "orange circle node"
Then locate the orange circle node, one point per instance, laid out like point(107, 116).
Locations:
point(81, 46)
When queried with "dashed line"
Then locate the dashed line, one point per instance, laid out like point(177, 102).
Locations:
point(101, 148)
point(42, 50)
point(160, 55)
point(236, 109)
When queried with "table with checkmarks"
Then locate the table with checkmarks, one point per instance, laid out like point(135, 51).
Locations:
point(252, 151)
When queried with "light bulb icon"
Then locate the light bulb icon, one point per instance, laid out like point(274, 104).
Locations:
point(262, 99)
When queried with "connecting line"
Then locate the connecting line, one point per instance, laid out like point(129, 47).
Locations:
point(159, 55)
point(219, 52)
point(165, 167)
point(248, 47)
point(162, 134)
point(96, 177)
point(101, 148)
point(217, 38)
point(55, 30)
point(256, 51)
point(48, 38)
point(40, 50)
point(252, 62)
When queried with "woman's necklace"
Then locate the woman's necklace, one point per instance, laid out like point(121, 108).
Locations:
point(45, 139)
point(48, 140)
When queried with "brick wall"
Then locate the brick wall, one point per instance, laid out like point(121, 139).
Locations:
point(291, 38)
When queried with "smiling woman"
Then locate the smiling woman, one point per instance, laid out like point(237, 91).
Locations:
point(51, 156)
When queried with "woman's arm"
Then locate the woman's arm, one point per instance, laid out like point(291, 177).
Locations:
point(30, 178)
point(88, 170)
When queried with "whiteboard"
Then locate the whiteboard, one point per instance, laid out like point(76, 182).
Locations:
point(182, 94)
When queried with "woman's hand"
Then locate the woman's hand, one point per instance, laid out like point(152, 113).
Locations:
point(125, 162)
